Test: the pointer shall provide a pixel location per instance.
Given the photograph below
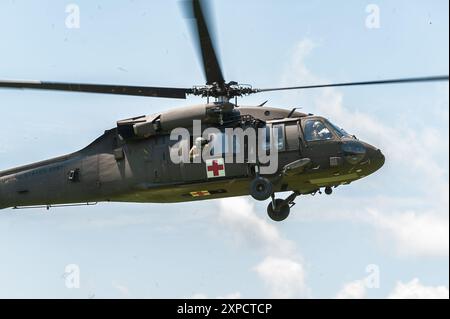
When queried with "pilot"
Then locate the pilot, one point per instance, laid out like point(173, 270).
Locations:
point(320, 132)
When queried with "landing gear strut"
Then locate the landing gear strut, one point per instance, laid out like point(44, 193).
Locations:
point(279, 209)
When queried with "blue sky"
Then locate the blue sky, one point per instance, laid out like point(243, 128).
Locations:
point(396, 219)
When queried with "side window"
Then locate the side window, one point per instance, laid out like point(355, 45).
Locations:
point(315, 130)
point(279, 129)
point(279, 143)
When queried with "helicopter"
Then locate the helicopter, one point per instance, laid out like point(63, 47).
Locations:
point(220, 149)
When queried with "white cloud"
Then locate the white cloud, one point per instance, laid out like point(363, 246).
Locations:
point(415, 290)
point(353, 290)
point(238, 215)
point(411, 290)
point(296, 68)
point(281, 269)
point(405, 231)
point(284, 277)
point(414, 234)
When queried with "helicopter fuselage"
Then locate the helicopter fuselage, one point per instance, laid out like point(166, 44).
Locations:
point(138, 168)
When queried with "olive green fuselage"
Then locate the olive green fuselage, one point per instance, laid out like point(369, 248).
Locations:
point(141, 170)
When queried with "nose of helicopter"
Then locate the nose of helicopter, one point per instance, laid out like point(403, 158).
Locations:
point(375, 157)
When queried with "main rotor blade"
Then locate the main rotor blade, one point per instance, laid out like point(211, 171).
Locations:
point(175, 93)
point(195, 10)
point(378, 82)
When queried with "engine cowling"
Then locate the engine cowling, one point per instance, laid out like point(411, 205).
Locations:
point(147, 126)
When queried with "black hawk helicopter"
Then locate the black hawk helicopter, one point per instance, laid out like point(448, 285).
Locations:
point(133, 161)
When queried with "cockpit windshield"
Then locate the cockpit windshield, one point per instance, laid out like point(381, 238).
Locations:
point(316, 130)
point(339, 131)
point(322, 130)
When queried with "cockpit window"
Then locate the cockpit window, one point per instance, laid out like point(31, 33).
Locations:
point(315, 130)
point(339, 131)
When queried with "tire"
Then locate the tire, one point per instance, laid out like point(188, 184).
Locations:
point(281, 211)
point(261, 188)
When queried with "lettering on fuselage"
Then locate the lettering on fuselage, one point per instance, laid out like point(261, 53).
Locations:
point(40, 172)
point(32, 173)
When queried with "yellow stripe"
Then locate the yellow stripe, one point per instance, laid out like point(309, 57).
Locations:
point(200, 193)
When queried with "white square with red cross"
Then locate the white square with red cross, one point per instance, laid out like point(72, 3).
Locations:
point(215, 168)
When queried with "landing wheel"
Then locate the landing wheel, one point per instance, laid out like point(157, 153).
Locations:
point(261, 188)
point(281, 211)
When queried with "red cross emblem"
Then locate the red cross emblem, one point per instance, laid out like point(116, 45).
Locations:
point(215, 168)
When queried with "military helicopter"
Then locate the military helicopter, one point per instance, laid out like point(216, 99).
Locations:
point(133, 161)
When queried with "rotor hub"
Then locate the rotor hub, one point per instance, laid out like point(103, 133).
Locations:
point(227, 90)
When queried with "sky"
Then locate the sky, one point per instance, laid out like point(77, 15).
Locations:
point(386, 236)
